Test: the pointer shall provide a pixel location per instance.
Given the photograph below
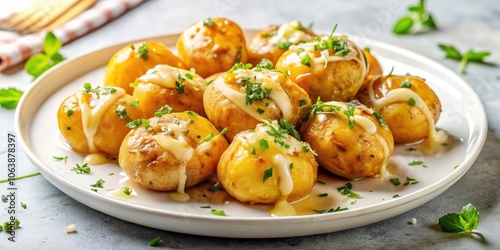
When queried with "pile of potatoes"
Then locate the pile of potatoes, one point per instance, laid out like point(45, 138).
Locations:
point(260, 115)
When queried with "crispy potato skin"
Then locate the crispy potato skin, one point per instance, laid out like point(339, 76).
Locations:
point(261, 46)
point(374, 67)
point(407, 123)
point(156, 168)
point(211, 46)
point(338, 81)
point(110, 132)
point(349, 153)
point(127, 64)
point(153, 96)
point(241, 173)
point(223, 113)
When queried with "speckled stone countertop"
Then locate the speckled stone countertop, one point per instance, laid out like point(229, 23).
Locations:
point(466, 24)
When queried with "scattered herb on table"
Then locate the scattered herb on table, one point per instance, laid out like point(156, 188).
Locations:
point(154, 241)
point(9, 97)
point(41, 62)
point(470, 56)
point(20, 177)
point(466, 221)
point(417, 14)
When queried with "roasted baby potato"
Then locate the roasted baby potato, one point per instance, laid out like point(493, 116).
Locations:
point(408, 105)
point(133, 61)
point(350, 140)
point(211, 46)
point(172, 152)
point(166, 85)
point(266, 165)
point(93, 120)
point(272, 42)
point(332, 68)
point(239, 99)
point(374, 68)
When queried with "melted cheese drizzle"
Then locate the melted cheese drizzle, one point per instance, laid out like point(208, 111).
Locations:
point(282, 162)
point(269, 81)
point(404, 94)
point(96, 159)
point(319, 63)
point(167, 76)
point(92, 112)
point(179, 147)
point(290, 32)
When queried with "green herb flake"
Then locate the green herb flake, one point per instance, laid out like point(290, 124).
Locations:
point(350, 115)
point(331, 210)
point(260, 111)
point(320, 182)
point(60, 158)
point(395, 181)
point(415, 163)
point(302, 102)
point(98, 183)
point(209, 137)
point(207, 206)
point(134, 103)
point(396, 196)
point(323, 195)
point(305, 60)
point(154, 241)
point(163, 111)
point(83, 169)
point(121, 111)
point(23, 205)
point(179, 87)
point(267, 173)
point(405, 84)
point(263, 144)
point(347, 191)
point(143, 51)
point(208, 22)
point(412, 102)
point(218, 212)
point(410, 181)
point(127, 191)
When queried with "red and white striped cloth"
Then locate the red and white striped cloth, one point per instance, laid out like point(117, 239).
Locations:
point(15, 48)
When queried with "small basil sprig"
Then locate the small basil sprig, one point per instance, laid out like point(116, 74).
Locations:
point(470, 56)
point(417, 13)
point(9, 97)
point(41, 62)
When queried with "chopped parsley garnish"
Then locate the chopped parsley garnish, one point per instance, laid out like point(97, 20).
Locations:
point(305, 60)
point(98, 183)
point(395, 181)
point(396, 196)
point(323, 195)
point(189, 76)
point(350, 115)
point(60, 158)
point(289, 128)
point(223, 131)
point(409, 181)
point(411, 149)
point(240, 66)
point(265, 64)
point(302, 102)
point(415, 163)
point(206, 206)
point(127, 191)
point(154, 241)
point(267, 173)
point(163, 111)
point(347, 190)
point(405, 84)
point(263, 144)
point(24, 205)
point(216, 187)
point(97, 91)
point(320, 106)
point(143, 51)
point(218, 212)
point(253, 151)
point(255, 92)
point(121, 111)
point(190, 112)
point(83, 169)
point(134, 103)
point(209, 137)
point(320, 182)
point(331, 210)
point(260, 111)
point(290, 166)
point(466, 221)
point(411, 102)
point(283, 45)
point(138, 123)
point(69, 112)
point(208, 22)
point(179, 87)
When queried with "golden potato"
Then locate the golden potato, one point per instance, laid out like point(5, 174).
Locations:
point(172, 152)
point(350, 140)
point(332, 68)
point(239, 99)
point(166, 85)
point(407, 104)
point(93, 120)
point(133, 61)
point(272, 42)
point(374, 67)
point(211, 46)
point(266, 165)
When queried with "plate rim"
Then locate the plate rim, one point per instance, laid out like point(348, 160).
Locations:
point(22, 128)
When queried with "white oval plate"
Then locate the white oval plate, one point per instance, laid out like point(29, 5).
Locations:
point(463, 116)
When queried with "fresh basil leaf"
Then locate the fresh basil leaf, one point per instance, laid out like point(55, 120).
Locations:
point(477, 56)
point(429, 22)
point(471, 217)
point(415, 8)
point(37, 64)
point(51, 44)
point(403, 26)
point(9, 97)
